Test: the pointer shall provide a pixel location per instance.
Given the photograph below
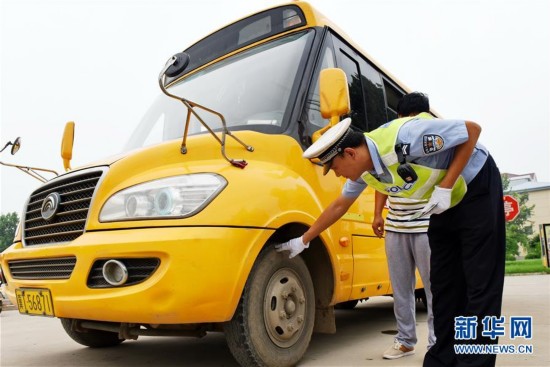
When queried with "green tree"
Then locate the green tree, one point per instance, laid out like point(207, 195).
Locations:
point(8, 225)
point(520, 229)
point(534, 250)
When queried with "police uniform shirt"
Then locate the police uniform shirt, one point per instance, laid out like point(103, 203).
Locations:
point(431, 144)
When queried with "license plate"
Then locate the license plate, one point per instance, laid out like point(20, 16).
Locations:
point(34, 301)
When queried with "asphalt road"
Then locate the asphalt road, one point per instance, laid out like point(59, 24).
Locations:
point(362, 336)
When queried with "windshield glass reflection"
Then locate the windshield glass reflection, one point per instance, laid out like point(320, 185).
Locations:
point(251, 89)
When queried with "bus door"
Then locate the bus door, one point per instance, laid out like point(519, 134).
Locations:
point(370, 269)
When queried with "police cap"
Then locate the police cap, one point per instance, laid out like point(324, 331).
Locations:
point(330, 144)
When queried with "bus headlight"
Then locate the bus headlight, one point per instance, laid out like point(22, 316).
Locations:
point(171, 197)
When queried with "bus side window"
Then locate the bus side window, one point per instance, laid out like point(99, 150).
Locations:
point(313, 104)
point(373, 91)
point(347, 60)
point(393, 95)
point(357, 113)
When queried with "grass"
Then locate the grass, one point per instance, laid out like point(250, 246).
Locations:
point(526, 267)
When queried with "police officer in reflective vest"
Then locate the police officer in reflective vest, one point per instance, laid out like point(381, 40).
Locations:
point(440, 160)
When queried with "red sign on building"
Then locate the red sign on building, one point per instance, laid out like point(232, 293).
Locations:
point(511, 208)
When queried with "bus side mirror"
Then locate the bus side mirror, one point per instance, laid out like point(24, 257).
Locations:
point(334, 95)
point(174, 68)
point(16, 145)
point(67, 145)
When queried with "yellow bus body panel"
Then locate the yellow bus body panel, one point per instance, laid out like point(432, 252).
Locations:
point(206, 258)
point(201, 274)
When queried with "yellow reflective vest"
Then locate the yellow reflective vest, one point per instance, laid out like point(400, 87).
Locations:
point(385, 140)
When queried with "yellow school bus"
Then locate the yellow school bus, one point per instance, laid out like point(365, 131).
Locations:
point(175, 236)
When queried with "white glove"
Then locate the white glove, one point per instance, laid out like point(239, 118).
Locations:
point(295, 246)
point(438, 203)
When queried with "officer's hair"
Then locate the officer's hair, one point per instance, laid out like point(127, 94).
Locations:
point(413, 104)
point(354, 139)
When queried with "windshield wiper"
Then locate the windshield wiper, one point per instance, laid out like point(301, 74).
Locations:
point(175, 67)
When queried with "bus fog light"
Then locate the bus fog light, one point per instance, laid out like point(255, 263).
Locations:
point(115, 272)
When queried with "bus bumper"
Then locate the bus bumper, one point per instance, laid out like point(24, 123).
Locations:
point(200, 277)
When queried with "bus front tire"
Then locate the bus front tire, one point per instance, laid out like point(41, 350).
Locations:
point(273, 323)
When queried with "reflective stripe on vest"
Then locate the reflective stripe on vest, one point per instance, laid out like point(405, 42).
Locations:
point(385, 138)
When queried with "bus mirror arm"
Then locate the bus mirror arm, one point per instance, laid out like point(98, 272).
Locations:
point(174, 67)
point(32, 171)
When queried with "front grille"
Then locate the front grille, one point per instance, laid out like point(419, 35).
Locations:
point(58, 268)
point(75, 194)
point(138, 271)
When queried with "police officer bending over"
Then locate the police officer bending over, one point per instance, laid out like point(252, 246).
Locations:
point(423, 158)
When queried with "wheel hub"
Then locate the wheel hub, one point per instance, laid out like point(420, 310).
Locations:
point(284, 308)
point(290, 307)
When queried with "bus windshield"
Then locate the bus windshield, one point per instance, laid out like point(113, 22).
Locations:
point(251, 89)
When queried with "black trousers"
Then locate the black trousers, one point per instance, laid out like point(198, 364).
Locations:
point(468, 245)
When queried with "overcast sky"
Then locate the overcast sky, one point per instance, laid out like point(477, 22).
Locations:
point(97, 62)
